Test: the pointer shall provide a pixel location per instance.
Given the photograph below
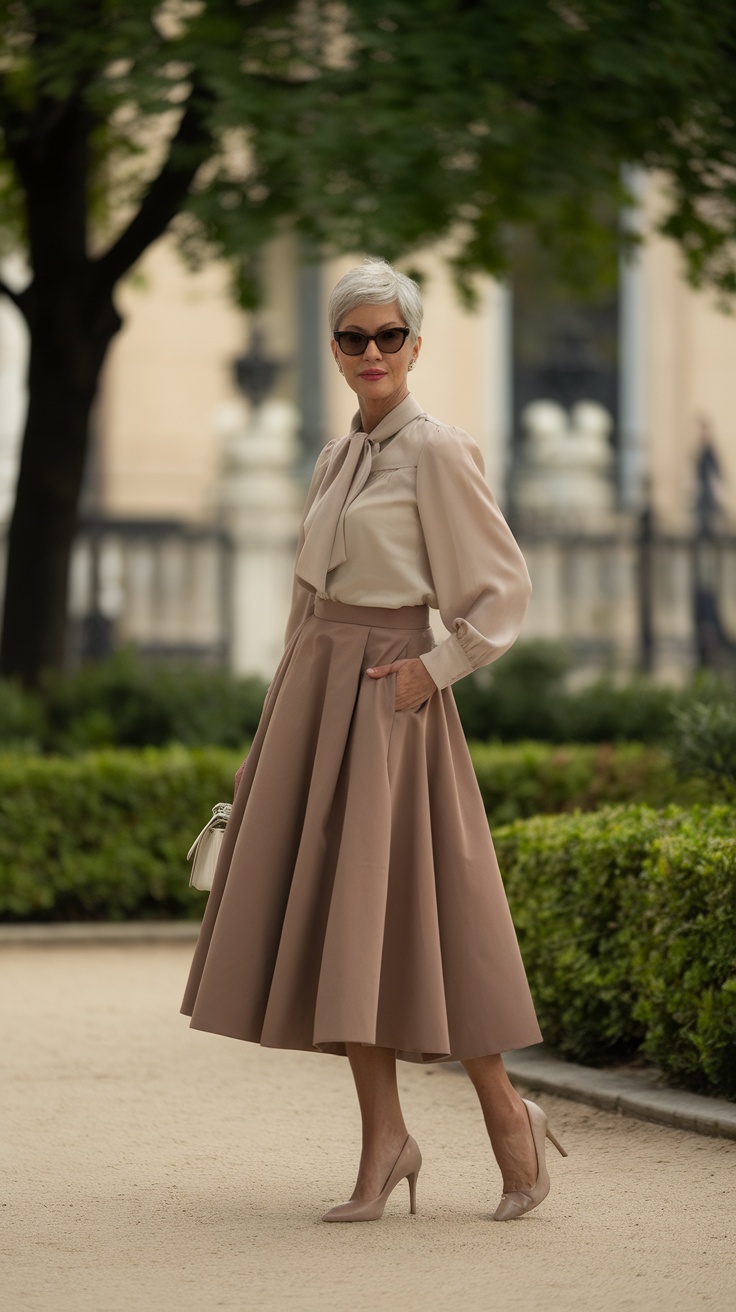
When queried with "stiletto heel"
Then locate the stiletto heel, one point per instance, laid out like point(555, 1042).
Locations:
point(523, 1200)
point(556, 1142)
point(406, 1166)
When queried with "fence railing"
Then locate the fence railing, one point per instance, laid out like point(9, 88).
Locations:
point(662, 603)
point(658, 602)
point(161, 585)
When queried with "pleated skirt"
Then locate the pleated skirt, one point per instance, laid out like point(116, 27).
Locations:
point(357, 896)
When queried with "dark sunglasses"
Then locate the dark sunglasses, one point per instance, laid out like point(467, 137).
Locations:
point(388, 341)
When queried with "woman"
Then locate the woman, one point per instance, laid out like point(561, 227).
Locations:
point(357, 907)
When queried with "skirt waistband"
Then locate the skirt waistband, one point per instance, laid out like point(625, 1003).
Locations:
point(376, 617)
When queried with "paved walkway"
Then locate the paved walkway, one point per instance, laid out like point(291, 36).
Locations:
point(149, 1167)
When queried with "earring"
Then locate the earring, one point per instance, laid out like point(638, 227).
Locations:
point(339, 369)
point(411, 364)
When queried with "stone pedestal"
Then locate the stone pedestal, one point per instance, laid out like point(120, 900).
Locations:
point(566, 477)
point(260, 504)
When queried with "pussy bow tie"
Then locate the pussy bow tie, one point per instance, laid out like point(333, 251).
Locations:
point(324, 527)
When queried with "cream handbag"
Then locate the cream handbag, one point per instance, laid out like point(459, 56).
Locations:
point(206, 847)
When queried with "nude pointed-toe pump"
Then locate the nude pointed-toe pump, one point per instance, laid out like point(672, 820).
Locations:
point(406, 1166)
point(523, 1200)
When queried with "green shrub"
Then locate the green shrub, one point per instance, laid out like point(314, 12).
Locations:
point(519, 697)
point(626, 916)
point(528, 778)
point(21, 718)
point(571, 884)
point(102, 834)
point(105, 835)
point(525, 695)
point(685, 962)
point(627, 924)
point(607, 712)
point(127, 702)
point(704, 737)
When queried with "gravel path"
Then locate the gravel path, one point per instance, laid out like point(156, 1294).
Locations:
point(148, 1166)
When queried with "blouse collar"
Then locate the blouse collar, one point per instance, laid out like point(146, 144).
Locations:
point(391, 423)
point(347, 473)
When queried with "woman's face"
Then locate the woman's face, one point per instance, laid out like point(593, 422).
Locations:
point(376, 376)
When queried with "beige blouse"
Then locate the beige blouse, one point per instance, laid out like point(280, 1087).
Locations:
point(404, 517)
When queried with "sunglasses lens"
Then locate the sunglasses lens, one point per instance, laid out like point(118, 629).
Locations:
point(353, 343)
point(390, 340)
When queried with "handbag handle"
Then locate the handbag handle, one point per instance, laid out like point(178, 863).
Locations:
point(220, 817)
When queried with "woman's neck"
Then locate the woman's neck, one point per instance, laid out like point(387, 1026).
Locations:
point(372, 412)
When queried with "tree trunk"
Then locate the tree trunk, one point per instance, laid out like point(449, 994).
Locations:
point(72, 320)
point(65, 363)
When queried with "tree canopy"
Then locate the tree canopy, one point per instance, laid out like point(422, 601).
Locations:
point(477, 116)
point(374, 127)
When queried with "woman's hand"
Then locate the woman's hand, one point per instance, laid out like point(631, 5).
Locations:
point(414, 683)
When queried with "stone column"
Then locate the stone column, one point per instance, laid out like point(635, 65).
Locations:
point(633, 468)
point(13, 392)
point(14, 344)
point(260, 503)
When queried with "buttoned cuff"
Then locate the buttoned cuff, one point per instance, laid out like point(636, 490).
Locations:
point(447, 662)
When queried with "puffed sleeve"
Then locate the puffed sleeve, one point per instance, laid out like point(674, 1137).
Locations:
point(480, 576)
point(302, 599)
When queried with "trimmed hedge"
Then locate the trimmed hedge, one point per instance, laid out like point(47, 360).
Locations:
point(105, 836)
point(626, 916)
point(627, 924)
point(686, 960)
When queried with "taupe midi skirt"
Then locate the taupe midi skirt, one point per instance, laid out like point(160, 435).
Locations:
point(357, 895)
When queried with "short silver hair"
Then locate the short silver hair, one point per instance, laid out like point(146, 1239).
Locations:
point(376, 282)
